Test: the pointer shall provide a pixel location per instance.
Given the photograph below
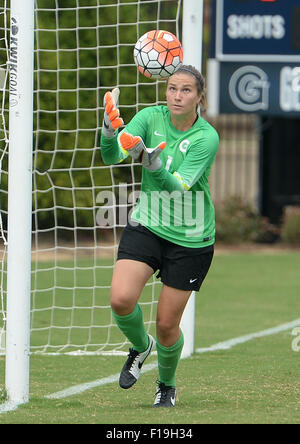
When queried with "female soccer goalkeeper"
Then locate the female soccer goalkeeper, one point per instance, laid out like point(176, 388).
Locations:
point(173, 225)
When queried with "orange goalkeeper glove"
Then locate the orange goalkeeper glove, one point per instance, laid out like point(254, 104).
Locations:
point(111, 120)
point(136, 148)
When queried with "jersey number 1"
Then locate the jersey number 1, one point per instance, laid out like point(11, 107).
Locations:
point(168, 163)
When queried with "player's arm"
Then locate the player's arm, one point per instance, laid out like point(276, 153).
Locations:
point(198, 159)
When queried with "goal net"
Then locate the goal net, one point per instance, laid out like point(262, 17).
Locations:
point(82, 49)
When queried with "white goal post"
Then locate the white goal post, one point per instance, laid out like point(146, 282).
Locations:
point(57, 261)
point(20, 65)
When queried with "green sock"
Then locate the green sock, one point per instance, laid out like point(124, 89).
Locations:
point(168, 358)
point(132, 325)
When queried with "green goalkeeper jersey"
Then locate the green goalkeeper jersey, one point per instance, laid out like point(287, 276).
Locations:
point(174, 201)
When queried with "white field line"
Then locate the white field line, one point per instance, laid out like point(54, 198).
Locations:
point(235, 341)
point(148, 367)
point(89, 385)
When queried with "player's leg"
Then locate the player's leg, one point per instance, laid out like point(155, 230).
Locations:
point(183, 271)
point(135, 265)
point(170, 308)
point(169, 342)
point(128, 281)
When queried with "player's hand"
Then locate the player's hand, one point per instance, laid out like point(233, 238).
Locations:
point(136, 148)
point(111, 120)
point(151, 160)
point(134, 145)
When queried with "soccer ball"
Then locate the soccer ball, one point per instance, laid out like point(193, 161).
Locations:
point(158, 54)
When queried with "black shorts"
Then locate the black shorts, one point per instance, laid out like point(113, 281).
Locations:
point(179, 267)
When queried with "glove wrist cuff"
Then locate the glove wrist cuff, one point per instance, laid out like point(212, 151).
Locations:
point(108, 132)
point(154, 166)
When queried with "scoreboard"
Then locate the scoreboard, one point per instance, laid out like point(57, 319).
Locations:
point(257, 30)
point(255, 57)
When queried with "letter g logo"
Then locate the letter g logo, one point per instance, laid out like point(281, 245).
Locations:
point(249, 89)
point(184, 145)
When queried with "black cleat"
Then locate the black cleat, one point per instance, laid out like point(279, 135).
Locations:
point(132, 368)
point(165, 396)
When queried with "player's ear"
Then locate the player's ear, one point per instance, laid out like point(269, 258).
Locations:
point(201, 97)
point(199, 102)
point(203, 101)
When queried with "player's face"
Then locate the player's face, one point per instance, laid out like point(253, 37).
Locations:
point(182, 94)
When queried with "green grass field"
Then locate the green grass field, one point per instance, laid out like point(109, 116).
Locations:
point(254, 382)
